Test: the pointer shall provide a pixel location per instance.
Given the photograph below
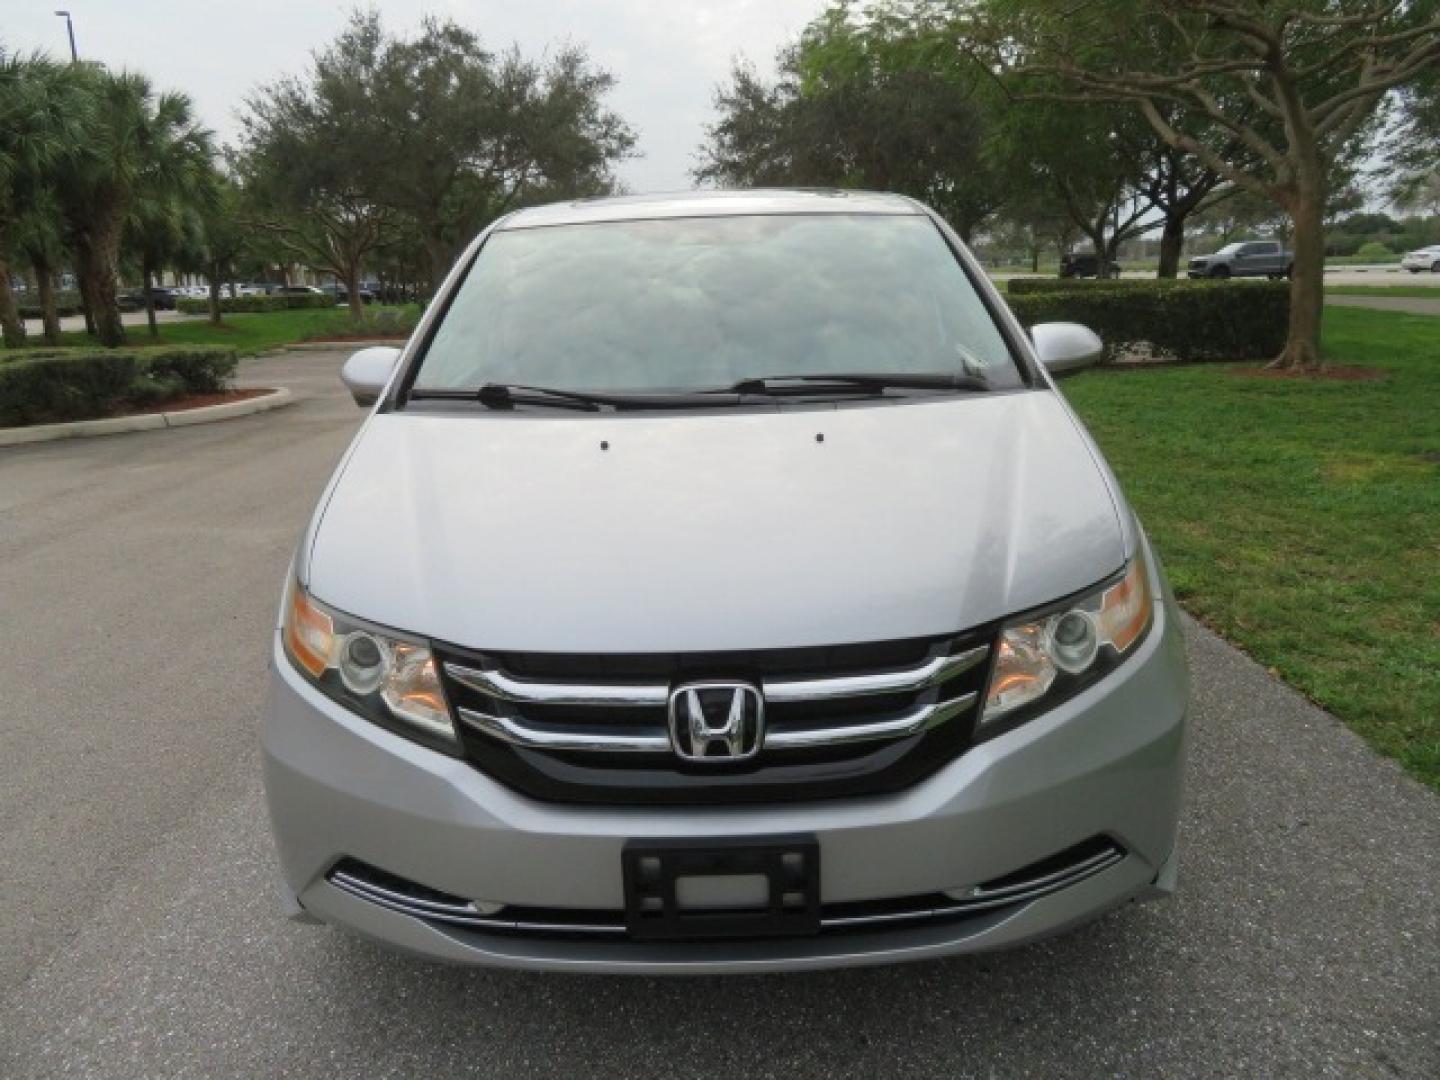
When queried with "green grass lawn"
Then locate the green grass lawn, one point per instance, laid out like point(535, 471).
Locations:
point(1301, 519)
point(251, 334)
point(1432, 291)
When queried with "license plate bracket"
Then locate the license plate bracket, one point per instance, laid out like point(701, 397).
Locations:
point(789, 864)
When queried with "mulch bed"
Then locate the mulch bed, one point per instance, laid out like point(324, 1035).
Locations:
point(358, 337)
point(1329, 373)
point(194, 401)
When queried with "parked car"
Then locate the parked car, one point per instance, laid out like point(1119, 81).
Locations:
point(341, 294)
point(773, 612)
point(1425, 258)
point(134, 299)
point(1249, 258)
point(1084, 264)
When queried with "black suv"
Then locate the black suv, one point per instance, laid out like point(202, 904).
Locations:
point(134, 299)
point(1084, 264)
point(342, 294)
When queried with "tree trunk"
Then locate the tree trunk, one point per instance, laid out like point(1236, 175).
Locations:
point(439, 253)
point(97, 258)
point(146, 273)
point(1111, 257)
point(214, 296)
point(352, 283)
point(1172, 241)
point(11, 324)
point(45, 284)
point(1102, 257)
point(1307, 282)
point(87, 306)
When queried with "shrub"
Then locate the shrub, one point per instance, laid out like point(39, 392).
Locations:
point(200, 370)
point(1021, 286)
point(40, 386)
point(1181, 320)
point(67, 302)
point(1375, 250)
point(386, 322)
point(240, 305)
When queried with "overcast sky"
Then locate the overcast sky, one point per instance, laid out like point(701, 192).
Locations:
point(667, 54)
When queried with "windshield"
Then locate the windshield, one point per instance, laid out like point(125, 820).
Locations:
point(1230, 249)
point(706, 302)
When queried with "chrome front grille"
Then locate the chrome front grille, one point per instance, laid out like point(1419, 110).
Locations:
point(652, 735)
point(847, 720)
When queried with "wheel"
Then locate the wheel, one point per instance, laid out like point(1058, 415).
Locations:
point(1435, 267)
point(1220, 272)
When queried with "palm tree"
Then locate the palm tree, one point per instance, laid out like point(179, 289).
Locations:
point(138, 145)
point(41, 118)
point(162, 227)
point(37, 237)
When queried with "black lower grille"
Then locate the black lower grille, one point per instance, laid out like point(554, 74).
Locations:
point(777, 773)
point(1059, 871)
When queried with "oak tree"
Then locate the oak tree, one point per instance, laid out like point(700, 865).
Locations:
point(1293, 82)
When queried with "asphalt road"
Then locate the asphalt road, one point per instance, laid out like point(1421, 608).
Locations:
point(129, 318)
point(138, 937)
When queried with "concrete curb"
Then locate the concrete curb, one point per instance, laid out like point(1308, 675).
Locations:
point(81, 429)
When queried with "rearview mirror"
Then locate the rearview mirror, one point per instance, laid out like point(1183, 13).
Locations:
point(367, 372)
point(1065, 346)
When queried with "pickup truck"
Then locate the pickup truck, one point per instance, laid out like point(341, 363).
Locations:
point(1251, 258)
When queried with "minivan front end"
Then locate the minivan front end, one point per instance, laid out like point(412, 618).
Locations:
point(662, 661)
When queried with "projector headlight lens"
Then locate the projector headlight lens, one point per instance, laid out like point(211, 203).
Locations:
point(1048, 657)
point(383, 675)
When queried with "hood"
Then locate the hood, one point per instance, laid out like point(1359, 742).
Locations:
point(718, 530)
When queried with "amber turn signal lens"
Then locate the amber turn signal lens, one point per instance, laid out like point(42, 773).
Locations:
point(1125, 609)
point(309, 632)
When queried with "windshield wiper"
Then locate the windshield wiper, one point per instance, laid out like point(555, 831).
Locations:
point(858, 381)
point(509, 395)
point(500, 396)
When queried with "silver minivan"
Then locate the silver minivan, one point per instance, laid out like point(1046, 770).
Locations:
point(719, 583)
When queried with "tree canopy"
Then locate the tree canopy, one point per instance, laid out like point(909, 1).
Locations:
point(433, 131)
point(1290, 83)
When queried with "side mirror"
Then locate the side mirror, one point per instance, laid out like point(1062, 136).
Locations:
point(367, 372)
point(1064, 347)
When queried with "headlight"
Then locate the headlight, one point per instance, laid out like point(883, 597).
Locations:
point(1050, 656)
point(384, 676)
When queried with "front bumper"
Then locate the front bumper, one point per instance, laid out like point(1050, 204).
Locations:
point(1107, 763)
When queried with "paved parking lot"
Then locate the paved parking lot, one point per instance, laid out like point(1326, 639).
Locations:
point(138, 937)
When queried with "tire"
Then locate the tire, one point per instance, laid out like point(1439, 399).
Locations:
point(1220, 272)
point(1435, 267)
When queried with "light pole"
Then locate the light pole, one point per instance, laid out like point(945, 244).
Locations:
point(70, 26)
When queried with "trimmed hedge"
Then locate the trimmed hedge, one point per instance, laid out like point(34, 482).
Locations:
point(1180, 320)
point(1023, 286)
point(67, 302)
point(39, 386)
point(239, 305)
